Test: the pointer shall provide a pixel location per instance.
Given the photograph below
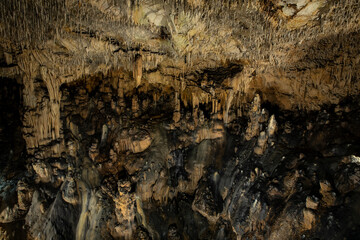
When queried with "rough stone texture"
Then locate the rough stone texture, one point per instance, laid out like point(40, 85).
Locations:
point(179, 119)
point(69, 191)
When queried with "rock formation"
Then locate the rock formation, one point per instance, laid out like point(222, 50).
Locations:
point(179, 119)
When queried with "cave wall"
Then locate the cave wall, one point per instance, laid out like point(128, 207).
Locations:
point(180, 119)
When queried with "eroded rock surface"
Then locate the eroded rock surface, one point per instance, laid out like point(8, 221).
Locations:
point(185, 119)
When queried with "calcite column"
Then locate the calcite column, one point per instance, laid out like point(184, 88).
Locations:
point(125, 210)
point(177, 115)
point(229, 99)
point(195, 107)
point(137, 72)
point(121, 101)
point(253, 128)
point(41, 118)
point(135, 106)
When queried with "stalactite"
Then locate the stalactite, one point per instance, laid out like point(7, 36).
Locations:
point(57, 42)
point(176, 114)
point(228, 103)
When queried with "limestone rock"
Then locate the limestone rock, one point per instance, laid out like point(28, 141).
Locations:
point(328, 195)
point(173, 233)
point(156, 119)
point(215, 132)
point(3, 234)
point(177, 114)
point(137, 72)
point(206, 202)
point(142, 234)
point(272, 126)
point(355, 159)
point(136, 141)
point(125, 210)
point(347, 178)
point(261, 144)
point(309, 219)
point(69, 191)
point(43, 171)
point(312, 202)
point(10, 214)
point(256, 117)
point(93, 151)
point(266, 137)
point(24, 194)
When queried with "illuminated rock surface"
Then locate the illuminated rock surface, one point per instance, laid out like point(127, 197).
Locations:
point(179, 119)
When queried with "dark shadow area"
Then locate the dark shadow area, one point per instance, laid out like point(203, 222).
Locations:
point(12, 144)
point(12, 148)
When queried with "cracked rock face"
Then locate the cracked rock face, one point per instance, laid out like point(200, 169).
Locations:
point(179, 119)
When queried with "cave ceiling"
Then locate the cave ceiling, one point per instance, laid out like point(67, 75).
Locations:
point(298, 54)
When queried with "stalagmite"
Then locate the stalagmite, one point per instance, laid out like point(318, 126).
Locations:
point(255, 117)
point(272, 126)
point(195, 107)
point(179, 119)
point(135, 106)
point(104, 134)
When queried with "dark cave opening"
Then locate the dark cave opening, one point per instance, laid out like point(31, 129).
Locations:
point(12, 160)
